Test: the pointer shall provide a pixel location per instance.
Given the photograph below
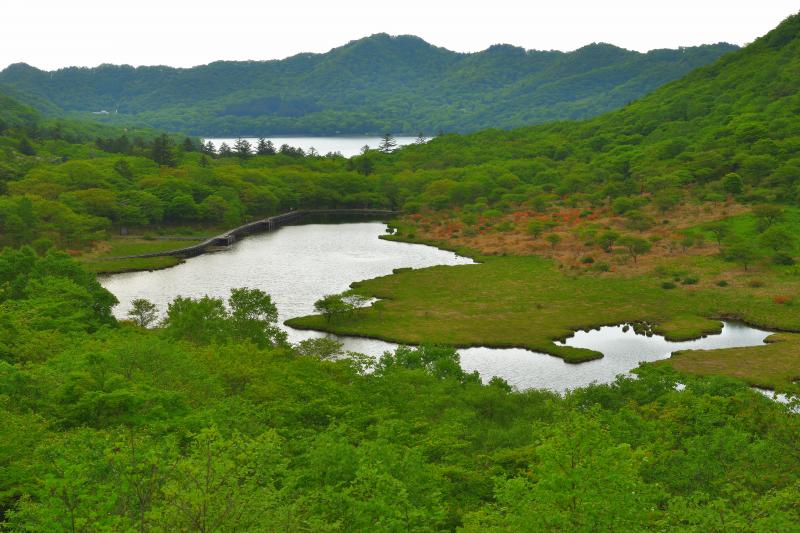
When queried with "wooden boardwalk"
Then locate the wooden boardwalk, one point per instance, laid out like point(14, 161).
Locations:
point(267, 224)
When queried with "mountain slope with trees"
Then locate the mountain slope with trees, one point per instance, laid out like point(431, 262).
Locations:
point(372, 85)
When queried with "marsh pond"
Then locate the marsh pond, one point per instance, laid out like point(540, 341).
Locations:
point(297, 265)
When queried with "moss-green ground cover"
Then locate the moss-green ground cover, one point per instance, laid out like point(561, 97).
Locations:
point(103, 261)
point(774, 366)
point(528, 302)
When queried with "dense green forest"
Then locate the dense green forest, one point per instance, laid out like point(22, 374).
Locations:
point(209, 421)
point(376, 84)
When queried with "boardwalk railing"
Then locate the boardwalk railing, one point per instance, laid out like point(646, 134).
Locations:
point(267, 224)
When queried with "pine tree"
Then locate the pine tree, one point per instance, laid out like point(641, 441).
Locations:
point(265, 147)
point(243, 148)
point(163, 151)
point(387, 143)
point(225, 150)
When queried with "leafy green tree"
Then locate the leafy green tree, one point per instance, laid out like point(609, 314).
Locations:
point(332, 306)
point(323, 348)
point(637, 220)
point(138, 467)
point(143, 312)
point(182, 208)
point(720, 230)
point(778, 239)
point(732, 183)
point(536, 228)
point(139, 208)
point(253, 317)
point(740, 250)
point(438, 361)
point(213, 208)
point(636, 246)
point(201, 321)
point(767, 215)
point(362, 164)
point(607, 240)
point(554, 239)
point(667, 199)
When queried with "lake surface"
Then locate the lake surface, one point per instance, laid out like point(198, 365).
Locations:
point(347, 146)
point(297, 265)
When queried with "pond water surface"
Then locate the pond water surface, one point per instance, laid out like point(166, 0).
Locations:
point(297, 265)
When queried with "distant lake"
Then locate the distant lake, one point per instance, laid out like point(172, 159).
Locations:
point(348, 146)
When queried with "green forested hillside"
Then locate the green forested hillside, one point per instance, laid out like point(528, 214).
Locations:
point(376, 84)
point(729, 128)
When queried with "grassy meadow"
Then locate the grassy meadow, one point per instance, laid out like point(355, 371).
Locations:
point(529, 302)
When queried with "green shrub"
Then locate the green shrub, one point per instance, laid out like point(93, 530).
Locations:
point(668, 285)
point(782, 258)
point(505, 226)
point(602, 266)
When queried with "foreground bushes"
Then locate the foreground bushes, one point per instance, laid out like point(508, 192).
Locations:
point(118, 427)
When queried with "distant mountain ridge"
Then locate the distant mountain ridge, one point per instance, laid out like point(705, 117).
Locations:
point(375, 84)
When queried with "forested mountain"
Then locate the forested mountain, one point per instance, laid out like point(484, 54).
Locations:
point(737, 116)
point(372, 85)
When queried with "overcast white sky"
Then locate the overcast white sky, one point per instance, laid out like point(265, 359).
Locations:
point(51, 34)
